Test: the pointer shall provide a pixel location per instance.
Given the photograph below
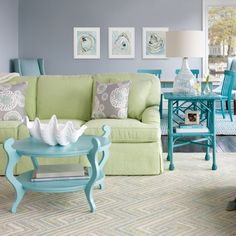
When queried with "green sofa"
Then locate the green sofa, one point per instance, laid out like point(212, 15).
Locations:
point(136, 142)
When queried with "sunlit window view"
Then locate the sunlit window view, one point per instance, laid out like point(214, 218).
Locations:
point(222, 38)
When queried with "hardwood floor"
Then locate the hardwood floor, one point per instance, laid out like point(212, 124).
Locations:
point(223, 144)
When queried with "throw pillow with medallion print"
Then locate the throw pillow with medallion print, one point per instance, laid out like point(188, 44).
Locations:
point(111, 100)
point(12, 101)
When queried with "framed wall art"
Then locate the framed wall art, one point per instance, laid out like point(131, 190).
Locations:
point(121, 42)
point(86, 43)
point(154, 43)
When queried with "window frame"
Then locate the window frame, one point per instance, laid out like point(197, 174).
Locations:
point(205, 5)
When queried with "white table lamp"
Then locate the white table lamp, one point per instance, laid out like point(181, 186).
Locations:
point(185, 44)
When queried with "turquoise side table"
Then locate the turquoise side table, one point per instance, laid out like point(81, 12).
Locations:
point(86, 145)
point(203, 103)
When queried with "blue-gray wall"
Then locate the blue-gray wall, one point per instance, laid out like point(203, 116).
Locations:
point(8, 33)
point(46, 30)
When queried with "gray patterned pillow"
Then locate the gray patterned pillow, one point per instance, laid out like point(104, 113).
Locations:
point(12, 101)
point(111, 100)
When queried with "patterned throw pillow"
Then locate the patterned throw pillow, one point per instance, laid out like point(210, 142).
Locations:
point(111, 100)
point(12, 101)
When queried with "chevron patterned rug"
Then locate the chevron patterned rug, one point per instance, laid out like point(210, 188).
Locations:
point(223, 126)
point(190, 200)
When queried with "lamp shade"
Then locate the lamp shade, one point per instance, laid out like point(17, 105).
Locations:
point(185, 44)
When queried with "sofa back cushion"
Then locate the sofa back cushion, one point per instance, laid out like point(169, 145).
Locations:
point(144, 90)
point(68, 97)
point(30, 98)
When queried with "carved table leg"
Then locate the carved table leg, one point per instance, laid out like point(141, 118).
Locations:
point(105, 155)
point(92, 157)
point(13, 158)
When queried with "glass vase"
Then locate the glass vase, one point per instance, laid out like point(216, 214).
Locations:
point(207, 89)
point(185, 80)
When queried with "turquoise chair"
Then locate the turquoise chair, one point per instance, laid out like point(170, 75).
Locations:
point(29, 67)
point(194, 71)
point(226, 92)
point(157, 73)
point(232, 66)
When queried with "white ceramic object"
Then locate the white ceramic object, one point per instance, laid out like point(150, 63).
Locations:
point(54, 133)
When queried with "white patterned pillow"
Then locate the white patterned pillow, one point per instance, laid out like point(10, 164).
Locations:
point(111, 100)
point(12, 101)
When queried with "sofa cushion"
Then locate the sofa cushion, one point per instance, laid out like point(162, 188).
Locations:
point(144, 90)
point(12, 129)
point(111, 100)
point(68, 97)
point(125, 131)
point(30, 101)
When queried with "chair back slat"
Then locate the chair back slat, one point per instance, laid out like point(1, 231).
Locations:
point(151, 71)
point(195, 72)
point(227, 87)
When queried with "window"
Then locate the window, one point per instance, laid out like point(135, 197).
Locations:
point(220, 28)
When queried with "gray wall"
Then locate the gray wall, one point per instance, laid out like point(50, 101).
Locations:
point(8, 33)
point(46, 30)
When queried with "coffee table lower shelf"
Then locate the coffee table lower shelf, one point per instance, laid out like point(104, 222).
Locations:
point(55, 186)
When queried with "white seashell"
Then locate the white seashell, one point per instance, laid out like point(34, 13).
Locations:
point(64, 133)
point(54, 133)
point(34, 128)
point(49, 131)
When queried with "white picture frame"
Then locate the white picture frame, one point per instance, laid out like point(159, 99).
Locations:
point(192, 117)
point(121, 42)
point(154, 42)
point(86, 42)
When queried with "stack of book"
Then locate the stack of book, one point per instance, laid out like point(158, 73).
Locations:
point(189, 128)
point(60, 172)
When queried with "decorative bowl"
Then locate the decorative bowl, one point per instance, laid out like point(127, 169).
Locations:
point(54, 133)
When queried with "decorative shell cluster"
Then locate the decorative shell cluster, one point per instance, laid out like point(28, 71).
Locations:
point(54, 133)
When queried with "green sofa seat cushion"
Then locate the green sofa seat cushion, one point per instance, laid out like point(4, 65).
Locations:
point(68, 97)
point(12, 129)
point(125, 130)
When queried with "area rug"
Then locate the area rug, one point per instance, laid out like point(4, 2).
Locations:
point(190, 200)
point(223, 126)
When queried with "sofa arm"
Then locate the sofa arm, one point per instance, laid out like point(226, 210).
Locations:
point(151, 115)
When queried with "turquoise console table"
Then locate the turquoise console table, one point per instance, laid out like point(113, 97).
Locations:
point(86, 145)
point(203, 103)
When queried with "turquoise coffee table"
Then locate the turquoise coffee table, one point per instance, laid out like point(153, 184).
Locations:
point(86, 145)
